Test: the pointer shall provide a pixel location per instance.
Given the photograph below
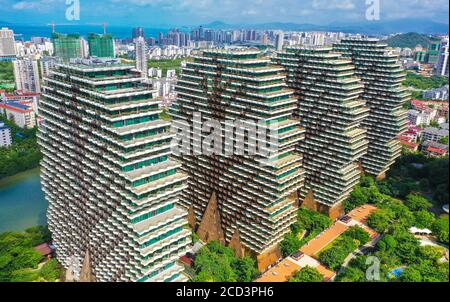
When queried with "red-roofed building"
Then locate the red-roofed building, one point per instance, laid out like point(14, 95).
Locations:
point(410, 145)
point(45, 249)
point(436, 152)
point(31, 98)
point(22, 115)
point(186, 260)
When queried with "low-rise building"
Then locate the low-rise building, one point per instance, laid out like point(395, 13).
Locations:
point(424, 117)
point(155, 72)
point(437, 93)
point(431, 148)
point(5, 135)
point(414, 132)
point(171, 73)
point(434, 134)
point(27, 98)
point(20, 113)
point(435, 152)
point(408, 142)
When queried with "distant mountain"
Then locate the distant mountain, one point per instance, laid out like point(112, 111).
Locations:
point(365, 27)
point(409, 40)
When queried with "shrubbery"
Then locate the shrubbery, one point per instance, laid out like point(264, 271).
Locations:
point(307, 274)
point(217, 263)
point(310, 221)
point(19, 260)
point(24, 154)
point(350, 240)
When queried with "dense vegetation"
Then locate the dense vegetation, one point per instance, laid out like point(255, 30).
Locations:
point(393, 212)
point(307, 274)
point(217, 263)
point(309, 224)
point(424, 83)
point(334, 255)
point(404, 200)
point(19, 261)
point(24, 154)
point(408, 40)
point(6, 72)
point(413, 173)
point(399, 249)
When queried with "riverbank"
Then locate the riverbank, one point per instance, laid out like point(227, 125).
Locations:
point(22, 202)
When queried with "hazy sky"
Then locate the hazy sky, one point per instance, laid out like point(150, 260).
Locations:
point(194, 12)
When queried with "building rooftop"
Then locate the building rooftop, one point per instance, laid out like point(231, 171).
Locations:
point(44, 248)
point(3, 126)
point(437, 150)
point(436, 131)
point(16, 106)
point(435, 145)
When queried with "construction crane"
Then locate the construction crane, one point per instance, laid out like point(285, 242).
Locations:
point(53, 25)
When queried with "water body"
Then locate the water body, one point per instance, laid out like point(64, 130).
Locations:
point(22, 202)
point(120, 32)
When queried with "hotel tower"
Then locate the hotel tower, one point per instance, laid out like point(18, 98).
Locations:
point(332, 111)
point(242, 200)
point(382, 75)
point(108, 175)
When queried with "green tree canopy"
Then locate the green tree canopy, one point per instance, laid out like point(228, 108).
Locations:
point(416, 202)
point(217, 263)
point(307, 274)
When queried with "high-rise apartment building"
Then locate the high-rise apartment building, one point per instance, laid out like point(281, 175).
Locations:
point(138, 32)
point(26, 75)
point(331, 110)
point(254, 196)
point(382, 76)
point(279, 41)
point(108, 175)
point(442, 63)
point(5, 136)
point(140, 48)
point(46, 64)
point(101, 46)
point(67, 46)
point(7, 45)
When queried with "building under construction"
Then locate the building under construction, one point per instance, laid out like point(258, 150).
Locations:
point(244, 199)
point(67, 46)
point(382, 76)
point(331, 110)
point(107, 174)
point(101, 46)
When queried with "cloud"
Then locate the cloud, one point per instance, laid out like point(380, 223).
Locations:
point(333, 4)
point(34, 5)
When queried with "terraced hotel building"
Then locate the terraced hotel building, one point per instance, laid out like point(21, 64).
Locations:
point(382, 76)
point(331, 110)
point(241, 195)
point(108, 175)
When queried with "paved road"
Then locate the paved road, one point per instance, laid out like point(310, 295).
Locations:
point(361, 251)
